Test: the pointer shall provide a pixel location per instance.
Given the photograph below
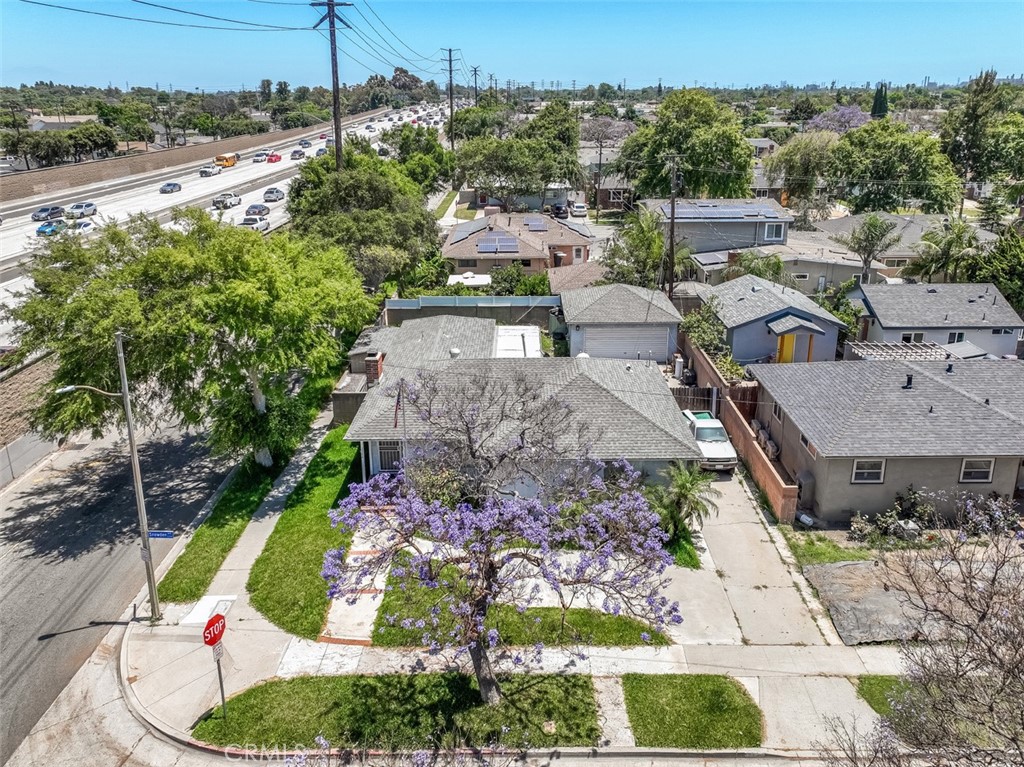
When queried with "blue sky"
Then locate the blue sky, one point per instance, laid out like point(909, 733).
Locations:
point(680, 41)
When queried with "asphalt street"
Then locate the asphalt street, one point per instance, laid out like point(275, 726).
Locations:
point(69, 558)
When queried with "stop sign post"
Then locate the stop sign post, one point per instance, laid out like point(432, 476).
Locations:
point(213, 633)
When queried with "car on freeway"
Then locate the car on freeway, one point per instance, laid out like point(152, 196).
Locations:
point(259, 157)
point(257, 209)
point(209, 170)
point(81, 210)
point(298, 154)
point(578, 210)
point(256, 223)
point(323, 136)
point(305, 144)
point(273, 157)
point(50, 228)
point(170, 187)
point(321, 151)
point(266, 150)
point(391, 119)
point(83, 228)
point(48, 212)
point(382, 151)
point(273, 194)
point(559, 211)
point(226, 200)
point(715, 448)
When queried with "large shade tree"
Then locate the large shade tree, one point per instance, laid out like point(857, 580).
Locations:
point(458, 522)
point(217, 320)
point(507, 169)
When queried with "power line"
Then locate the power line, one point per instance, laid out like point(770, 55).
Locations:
point(391, 47)
point(389, 29)
point(148, 21)
point(217, 18)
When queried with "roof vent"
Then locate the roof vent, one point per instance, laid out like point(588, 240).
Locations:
point(455, 352)
point(933, 290)
point(949, 369)
point(754, 288)
point(931, 410)
point(910, 383)
point(986, 400)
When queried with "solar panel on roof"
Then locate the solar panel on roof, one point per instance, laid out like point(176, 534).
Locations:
point(537, 226)
point(487, 245)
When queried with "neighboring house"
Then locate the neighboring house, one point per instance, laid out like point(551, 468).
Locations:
point(616, 192)
point(766, 322)
point(722, 225)
point(947, 313)
point(762, 147)
point(59, 122)
point(537, 242)
point(868, 350)
point(553, 194)
point(620, 322)
point(629, 404)
point(854, 434)
point(763, 187)
point(562, 278)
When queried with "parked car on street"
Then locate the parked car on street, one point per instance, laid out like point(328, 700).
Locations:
point(209, 170)
point(50, 228)
point(298, 154)
point(273, 157)
point(170, 187)
point(257, 209)
point(273, 194)
point(48, 212)
point(226, 200)
point(713, 441)
point(578, 210)
point(256, 223)
point(559, 211)
point(81, 210)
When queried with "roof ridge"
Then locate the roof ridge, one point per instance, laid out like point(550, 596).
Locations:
point(614, 393)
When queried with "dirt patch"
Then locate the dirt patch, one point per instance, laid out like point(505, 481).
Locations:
point(862, 607)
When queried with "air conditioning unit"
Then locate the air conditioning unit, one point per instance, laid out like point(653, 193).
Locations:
point(772, 449)
point(755, 425)
point(762, 438)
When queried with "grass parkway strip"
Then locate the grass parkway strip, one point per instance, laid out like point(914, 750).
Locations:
point(191, 574)
point(285, 582)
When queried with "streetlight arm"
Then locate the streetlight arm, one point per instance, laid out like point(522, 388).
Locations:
point(69, 389)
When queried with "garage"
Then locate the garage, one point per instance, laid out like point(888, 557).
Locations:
point(626, 341)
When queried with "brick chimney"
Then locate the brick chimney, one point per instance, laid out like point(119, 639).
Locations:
point(374, 367)
point(733, 257)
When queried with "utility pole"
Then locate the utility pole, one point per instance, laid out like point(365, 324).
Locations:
point(331, 16)
point(476, 93)
point(573, 90)
point(672, 234)
point(451, 104)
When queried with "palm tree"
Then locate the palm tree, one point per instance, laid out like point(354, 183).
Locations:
point(947, 250)
point(768, 267)
point(686, 500)
point(869, 241)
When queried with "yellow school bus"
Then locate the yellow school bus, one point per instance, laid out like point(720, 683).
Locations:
point(225, 160)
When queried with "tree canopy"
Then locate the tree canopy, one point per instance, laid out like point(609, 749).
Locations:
point(507, 169)
point(802, 162)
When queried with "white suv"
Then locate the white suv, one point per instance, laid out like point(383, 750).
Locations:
point(713, 441)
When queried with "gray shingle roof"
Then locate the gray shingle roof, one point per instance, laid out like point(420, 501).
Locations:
point(575, 276)
point(618, 305)
point(789, 322)
point(722, 210)
point(953, 305)
point(859, 409)
point(631, 405)
point(908, 227)
point(748, 299)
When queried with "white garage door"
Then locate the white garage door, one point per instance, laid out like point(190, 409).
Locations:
point(624, 341)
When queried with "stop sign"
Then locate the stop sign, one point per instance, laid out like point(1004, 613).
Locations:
point(214, 630)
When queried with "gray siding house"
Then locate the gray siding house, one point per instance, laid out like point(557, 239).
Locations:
point(854, 434)
point(766, 322)
point(723, 225)
point(620, 322)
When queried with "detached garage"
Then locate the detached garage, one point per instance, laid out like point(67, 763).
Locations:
point(620, 322)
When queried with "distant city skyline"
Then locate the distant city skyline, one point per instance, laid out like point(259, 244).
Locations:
point(725, 44)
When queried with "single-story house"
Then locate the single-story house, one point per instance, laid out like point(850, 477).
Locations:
point(854, 434)
point(946, 313)
point(620, 322)
point(561, 278)
point(767, 322)
point(59, 122)
point(722, 225)
point(762, 147)
point(536, 241)
point(555, 193)
point(630, 404)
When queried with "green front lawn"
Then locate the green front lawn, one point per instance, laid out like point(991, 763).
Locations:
point(285, 582)
point(536, 624)
point(877, 690)
point(466, 214)
point(443, 206)
point(399, 711)
point(817, 549)
point(691, 711)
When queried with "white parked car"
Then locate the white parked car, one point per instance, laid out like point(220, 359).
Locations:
point(256, 223)
point(578, 210)
point(713, 441)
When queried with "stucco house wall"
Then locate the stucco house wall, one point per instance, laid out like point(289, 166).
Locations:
point(999, 345)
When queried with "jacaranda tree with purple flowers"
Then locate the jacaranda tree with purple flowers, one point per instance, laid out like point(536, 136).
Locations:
point(498, 502)
point(839, 119)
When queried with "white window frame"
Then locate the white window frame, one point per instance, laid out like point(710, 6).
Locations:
point(894, 263)
point(808, 446)
point(616, 195)
point(761, 193)
point(912, 338)
point(768, 228)
point(1020, 334)
point(856, 471)
point(777, 411)
point(801, 276)
point(987, 480)
point(393, 445)
point(577, 252)
point(955, 337)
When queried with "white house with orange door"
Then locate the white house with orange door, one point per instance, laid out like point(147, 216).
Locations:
point(767, 322)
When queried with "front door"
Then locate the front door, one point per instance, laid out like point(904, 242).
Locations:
point(785, 350)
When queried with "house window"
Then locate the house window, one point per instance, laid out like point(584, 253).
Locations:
point(1002, 331)
point(1020, 334)
point(577, 253)
point(774, 232)
point(896, 262)
point(471, 262)
point(615, 195)
point(868, 471)
point(777, 411)
point(802, 276)
point(955, 338)
point(808, 446)
point(525, 262)
point(977, 469)
point(761, 193)
point(912, 338)
point(390, 455)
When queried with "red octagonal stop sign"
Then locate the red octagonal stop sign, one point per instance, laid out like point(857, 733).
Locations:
point(214, 631)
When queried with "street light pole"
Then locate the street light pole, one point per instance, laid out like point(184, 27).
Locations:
point(140, 500)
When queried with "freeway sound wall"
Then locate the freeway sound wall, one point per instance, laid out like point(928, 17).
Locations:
point(18, 186)
point(20, 448)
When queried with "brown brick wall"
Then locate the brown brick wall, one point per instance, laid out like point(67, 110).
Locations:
point(17, 396)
